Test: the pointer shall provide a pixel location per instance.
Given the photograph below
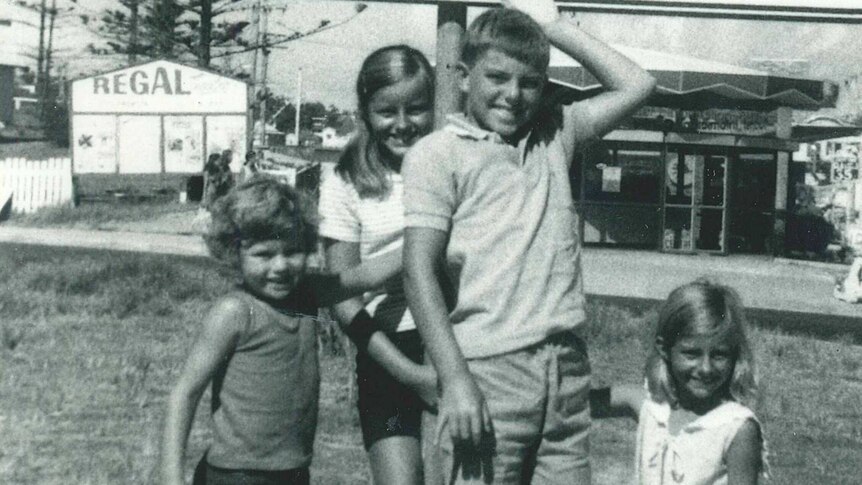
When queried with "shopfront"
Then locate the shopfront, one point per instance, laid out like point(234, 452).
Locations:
point(677, 197)
point(705, 167)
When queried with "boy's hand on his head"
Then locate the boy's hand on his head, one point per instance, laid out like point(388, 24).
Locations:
point(542, 11)
point(464, 411)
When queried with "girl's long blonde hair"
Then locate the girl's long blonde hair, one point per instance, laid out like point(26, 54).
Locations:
point(697, 308)
point(360, 163)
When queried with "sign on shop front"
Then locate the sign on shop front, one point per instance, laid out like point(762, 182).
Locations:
point(726, 121)
point(718, 121)
point(158, 81)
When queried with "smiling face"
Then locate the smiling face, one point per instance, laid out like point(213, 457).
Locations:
point(272, 268)
point(701, 367)
point(503, 93)
point(398, 115)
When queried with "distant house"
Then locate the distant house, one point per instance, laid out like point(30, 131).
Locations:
point(337, 135)
point(274, 137)
point(331, 138)
point(19, 106)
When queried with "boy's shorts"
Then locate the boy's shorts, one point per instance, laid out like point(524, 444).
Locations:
point(386, 407)
point(538, 400)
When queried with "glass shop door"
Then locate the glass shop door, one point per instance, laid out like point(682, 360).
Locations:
point(695, 202)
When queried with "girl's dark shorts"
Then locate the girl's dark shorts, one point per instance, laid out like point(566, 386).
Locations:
point(206, 474)
point(386, 407)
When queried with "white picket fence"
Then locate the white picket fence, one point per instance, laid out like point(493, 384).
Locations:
point(33, 184)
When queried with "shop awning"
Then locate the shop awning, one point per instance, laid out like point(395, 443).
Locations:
point(690, 83)
point(823, 128)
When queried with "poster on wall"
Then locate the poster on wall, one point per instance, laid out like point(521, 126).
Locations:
point(139, 137)
point(183, 148)
point(611, 179)
point(94, 143)
point(227, 132)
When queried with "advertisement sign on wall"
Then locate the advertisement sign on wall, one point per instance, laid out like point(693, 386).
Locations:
point(184, 143)
point(94, 144)
point(138, 139)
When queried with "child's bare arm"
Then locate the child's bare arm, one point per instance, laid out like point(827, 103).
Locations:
point(372, 273)
point(215, 342)
point(743, 456)
point(343, 258)
point(346, 276)
point(462, 406)
point(627, 84)
point(616, 401)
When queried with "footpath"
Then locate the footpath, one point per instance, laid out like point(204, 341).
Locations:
point(796, 296)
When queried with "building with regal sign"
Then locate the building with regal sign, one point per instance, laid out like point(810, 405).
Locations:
point(155, 118)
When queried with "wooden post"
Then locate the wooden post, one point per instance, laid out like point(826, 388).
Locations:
point(783, 129)
point(451, 23)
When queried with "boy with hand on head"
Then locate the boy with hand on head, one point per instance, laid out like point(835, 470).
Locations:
point(489, 215)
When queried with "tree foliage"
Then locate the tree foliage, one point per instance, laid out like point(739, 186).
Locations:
point(172, 29)
point(192, 30)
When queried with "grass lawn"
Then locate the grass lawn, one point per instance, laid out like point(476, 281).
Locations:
point(91, 341)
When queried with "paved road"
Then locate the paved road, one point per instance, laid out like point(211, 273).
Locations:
point(790, 295)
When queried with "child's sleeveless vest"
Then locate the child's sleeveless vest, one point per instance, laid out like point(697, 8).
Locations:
point(265, 399)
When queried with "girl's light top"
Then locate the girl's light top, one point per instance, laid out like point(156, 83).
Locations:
point(378, 226)
point(265, 396)
point(697, 454)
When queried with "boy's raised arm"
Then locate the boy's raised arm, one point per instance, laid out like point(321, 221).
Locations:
point(627, 84)
point(462, 406)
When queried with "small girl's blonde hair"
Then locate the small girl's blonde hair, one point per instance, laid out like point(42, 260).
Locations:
point(697, 308)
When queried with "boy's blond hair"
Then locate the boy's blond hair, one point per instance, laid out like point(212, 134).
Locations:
point(511, 32)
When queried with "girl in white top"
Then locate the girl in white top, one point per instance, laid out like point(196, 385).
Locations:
point(695, 423)
point(361, 217)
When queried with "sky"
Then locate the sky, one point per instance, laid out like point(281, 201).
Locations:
point(329, 60)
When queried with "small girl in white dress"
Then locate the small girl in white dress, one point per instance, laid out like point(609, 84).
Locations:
point(695, 423)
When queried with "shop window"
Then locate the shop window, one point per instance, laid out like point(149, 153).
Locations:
point(612, 175)
point(678, 178)
point(677, 229)
point(754, 182)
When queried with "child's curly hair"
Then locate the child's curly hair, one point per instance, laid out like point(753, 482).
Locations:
point(259, 209)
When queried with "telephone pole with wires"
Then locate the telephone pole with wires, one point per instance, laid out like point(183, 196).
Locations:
point(264, 65)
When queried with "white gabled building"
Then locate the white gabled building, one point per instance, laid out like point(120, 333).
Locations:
point(156, 117)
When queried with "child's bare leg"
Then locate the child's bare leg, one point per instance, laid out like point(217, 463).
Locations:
point(396, 460)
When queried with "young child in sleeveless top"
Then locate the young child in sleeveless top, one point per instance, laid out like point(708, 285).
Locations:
point(695, 421)
point(258, 345)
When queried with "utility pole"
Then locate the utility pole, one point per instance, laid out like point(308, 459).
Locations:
point(255, 23)
point(263, 69)
point(40, 57)
point(298, 105)
point(46, 84)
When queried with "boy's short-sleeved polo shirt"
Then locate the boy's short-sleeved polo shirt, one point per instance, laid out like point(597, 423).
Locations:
point(513, 253)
